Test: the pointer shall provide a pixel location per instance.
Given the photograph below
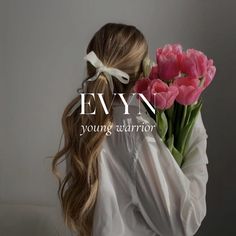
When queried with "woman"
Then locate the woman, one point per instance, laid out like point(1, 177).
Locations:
point(125, 183)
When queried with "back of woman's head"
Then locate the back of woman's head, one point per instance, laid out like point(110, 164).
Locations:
point(119, 46)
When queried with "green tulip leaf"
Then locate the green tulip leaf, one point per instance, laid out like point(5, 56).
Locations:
point(162, 124)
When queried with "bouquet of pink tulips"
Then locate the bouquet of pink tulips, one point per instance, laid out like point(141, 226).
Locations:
point(173, 85)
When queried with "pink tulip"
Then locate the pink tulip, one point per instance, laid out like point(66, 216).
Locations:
point(168, 60)
point(193, 63)
point(162, 96)
point(189, 90)
point(154, 73)
point(175, 48)
point(210, 73)
point(141, 86)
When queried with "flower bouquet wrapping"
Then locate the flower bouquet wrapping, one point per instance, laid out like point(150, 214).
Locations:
point(173, 85)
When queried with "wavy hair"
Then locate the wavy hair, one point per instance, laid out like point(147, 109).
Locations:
point(116, 45)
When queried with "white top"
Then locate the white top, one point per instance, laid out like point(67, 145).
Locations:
point(142, 190)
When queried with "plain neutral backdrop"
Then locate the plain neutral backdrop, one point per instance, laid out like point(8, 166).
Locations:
point(42, 44)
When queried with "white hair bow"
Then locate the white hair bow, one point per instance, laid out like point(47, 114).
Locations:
point(109, 71)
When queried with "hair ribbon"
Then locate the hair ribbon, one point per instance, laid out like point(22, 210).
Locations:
point(108, 71)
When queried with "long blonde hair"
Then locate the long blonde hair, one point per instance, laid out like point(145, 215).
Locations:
point(116, 45)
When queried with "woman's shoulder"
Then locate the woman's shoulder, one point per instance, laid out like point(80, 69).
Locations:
point(136, 123)
point(134, 114)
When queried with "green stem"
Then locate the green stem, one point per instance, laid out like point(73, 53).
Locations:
point(169, 127)
point(180, 135)
point(177, 121)
point(189, 110)
point(186, 140)
point(183, 117)
point(169, 113)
